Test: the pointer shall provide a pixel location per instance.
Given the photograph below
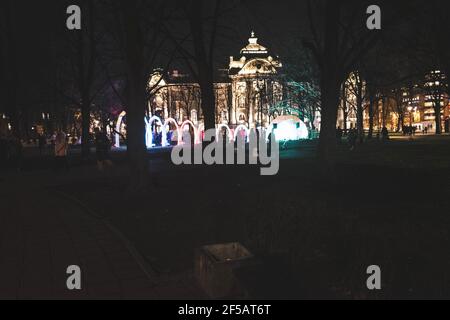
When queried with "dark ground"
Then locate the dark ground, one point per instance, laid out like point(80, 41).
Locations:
point(387, 204)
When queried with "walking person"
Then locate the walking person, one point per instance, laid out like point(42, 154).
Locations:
point(174, 137)
point(352, 137)
point(42, 142)
point(61, 148)
point(339, 135)
point(103, 146)
point(384, 134)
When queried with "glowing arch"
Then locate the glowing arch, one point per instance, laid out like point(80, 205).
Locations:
point(201, 129)
point(168, 121)
point(180, 135)
point(239, 129)
point(118, 127)
point(149, 132)
point(230, 133)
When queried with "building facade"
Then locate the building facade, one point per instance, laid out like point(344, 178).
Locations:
point(399, 108)
point(247, 92)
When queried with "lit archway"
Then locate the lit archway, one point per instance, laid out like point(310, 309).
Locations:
point(118, 128)
point(239, 129)
point(183, 125)
point(149, 131)
point(227, 128)
point(167, 123)
point(201, 129)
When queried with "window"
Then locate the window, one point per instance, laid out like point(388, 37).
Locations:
point(194, 116)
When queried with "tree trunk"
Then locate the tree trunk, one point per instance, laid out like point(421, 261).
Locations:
point(137, 105)
point(85, 125)
point(371, 113)
point(330, 84)
point(11, 76)
point(204, 64)
point(437, 111)
point(330, 102)
point(401, 121)
point(136, 134)
point(384, 107)
point(344, 108)
point(208, 101)
point(86, 65)
point(360, 113)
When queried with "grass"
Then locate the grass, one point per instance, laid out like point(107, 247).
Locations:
point(387, 205)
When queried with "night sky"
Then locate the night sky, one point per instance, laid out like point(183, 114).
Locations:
point(38, 21)
point(279, 25)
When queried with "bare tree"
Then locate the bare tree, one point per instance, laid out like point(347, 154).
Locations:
point(10, 67)
point(436, 34)
point(189, 95)
point(432, 52)
point(357, 88)
point(302, 90)
point(199, 44)
point(204, 41)
point(136, 26)
point(82, 78)
point(340, 39)
point(436, 87)
point(400, 106)
point(87, 59)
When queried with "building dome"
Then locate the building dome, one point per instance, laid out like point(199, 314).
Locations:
point(253, 46)
point(254, 59)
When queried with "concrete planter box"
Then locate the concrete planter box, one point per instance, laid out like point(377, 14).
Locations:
point(215, 267)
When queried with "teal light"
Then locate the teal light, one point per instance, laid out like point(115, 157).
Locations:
point(290, 130)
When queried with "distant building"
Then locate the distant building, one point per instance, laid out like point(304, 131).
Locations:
point(246, 92)
point(416, 107)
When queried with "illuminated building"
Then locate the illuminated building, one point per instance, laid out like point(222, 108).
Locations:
point(416, 107)
point(245, 93)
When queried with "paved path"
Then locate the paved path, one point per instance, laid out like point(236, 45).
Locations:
point(41, 234)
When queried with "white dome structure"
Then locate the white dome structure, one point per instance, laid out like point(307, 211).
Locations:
point(288, 128)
